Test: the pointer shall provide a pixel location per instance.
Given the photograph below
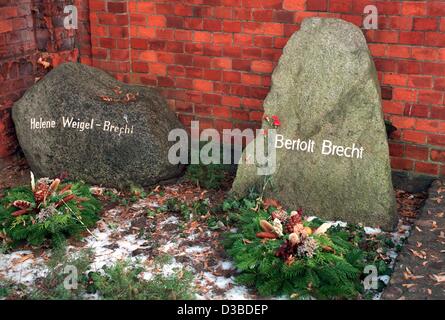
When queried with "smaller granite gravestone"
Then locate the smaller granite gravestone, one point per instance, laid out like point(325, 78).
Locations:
point(82, 121)
point(331, 147)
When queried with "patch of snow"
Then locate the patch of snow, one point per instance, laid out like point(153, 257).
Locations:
point(24, 272)
point(372, 231)
point(196, 249)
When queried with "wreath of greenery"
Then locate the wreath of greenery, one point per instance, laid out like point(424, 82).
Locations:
point(333, 269)
point(49, 210)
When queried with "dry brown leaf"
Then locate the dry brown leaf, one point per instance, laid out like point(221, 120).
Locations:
point(23, 259)
point(439, 278)
point(44, 63)
point(421, 255)
point(271, 203)
point(408, 285)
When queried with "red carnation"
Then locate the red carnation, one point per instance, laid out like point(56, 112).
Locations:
point(276, 121)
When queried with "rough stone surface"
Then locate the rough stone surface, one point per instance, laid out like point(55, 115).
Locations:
point(99, 154)
point(325, 87)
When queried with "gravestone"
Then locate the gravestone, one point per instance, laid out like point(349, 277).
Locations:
point(80, 120)
point(331, 147)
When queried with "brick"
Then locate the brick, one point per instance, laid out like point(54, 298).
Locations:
point(435, 39)
point(243, 65)
point(427, 168)
point(396, 149)
point(243, 39)
point(117, 7)
point(393, 107)
point(251, 53)
point(416, 110)
point(431, 97)
point(184, 59)
point(222, 38)
point(174, 22)
point(409, 67)
point(222, 12)
point(414, 8)
point(438, 113)
point(395, 79)
point(263, 41)
point(263, 15)
point(418, 81)
point(414, 136)
point(5, 26)
point(377, 49)
point(437, 69)
point(272, 28)
point(283, 16)
point(387, 7)
point(427, 54)
point(202, 36)
point(403, 94)
point(232, 76)
point(430, 125)
point(231, 26)
point(403, 122)
point(159, 69)
point(183, 35)
point(436, 8)
point(401, 164)
point(252, 27)
point(425, 24)
point(202, 85)
point(438, 155)
point(317, 5)
point(398, 51)
point(251, 79)
point(437, 140)
point(416, 38)
point(416, 152)
point(294, 4)
point(340, 6)
point(193, 72)
point(212, 25)
point(183, 10)
point(439, 84)
point(262, 66)
point(231, 101)
point(221, 63)
point(193, 23)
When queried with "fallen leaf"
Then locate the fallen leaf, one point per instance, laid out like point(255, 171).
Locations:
point(23, 259)
point(439, 278)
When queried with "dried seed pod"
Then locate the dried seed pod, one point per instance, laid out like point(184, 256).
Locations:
point(65, 188)
point(22, 204)
point(65, 200)
point(266, 235)
point(266, 226)
point(54, 185)
point(20, 212)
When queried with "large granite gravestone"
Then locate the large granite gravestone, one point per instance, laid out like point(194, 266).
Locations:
point(82, 121)
point(326, 93)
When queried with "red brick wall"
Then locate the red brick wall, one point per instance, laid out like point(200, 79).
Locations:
point(29, 30)
point(213, 59)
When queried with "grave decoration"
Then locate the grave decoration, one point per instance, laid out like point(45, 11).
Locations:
point(47, 210)
point(281, 253)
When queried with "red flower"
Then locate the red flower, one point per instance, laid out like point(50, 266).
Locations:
point(276, 121)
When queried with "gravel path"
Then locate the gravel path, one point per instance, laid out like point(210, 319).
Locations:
point(420, 269)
